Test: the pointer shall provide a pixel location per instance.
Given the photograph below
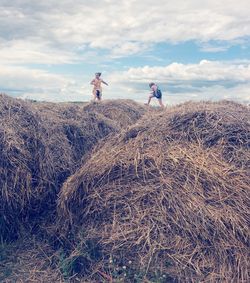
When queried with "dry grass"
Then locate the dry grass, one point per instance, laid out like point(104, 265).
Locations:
point(171, 194)
point(28, 261)
point(124, 112)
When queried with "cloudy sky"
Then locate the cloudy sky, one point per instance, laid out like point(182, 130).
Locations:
point(194, 50)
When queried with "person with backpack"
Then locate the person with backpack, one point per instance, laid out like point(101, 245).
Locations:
point(155, 92)
point(97, 90)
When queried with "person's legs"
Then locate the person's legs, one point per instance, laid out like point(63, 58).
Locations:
point(94, 95)
point(98, 95)
point(149, 98)
point(160, 102)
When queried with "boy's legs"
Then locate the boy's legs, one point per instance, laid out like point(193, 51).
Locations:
point(149, 98)
point(98, 95)
point(160, 102)
point(94, 95)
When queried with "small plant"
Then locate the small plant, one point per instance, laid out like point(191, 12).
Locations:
point(80, 261)
point(127, 271)
point(65, 265)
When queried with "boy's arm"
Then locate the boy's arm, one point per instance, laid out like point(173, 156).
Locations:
point(92, 82)
point(104, 82)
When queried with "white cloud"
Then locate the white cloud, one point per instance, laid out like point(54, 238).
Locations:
point(238, 93)
point(65, 32)
point(33, 51)
point(208, 47)
point(205, 80)
point(124, 27)
point(208, 71)
point(24, 78)
point(38, 84)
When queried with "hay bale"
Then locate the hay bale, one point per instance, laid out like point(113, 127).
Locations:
point(161, 196)
point(223, 126)
point(124, 111)
point(40, 146)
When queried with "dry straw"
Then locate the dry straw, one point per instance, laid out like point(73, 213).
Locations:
point(171, 194)
point(41, 144)
point(124, 112)
point(28, 260)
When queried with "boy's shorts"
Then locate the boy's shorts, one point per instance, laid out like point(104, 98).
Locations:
point(98, 94)
point(158, 94)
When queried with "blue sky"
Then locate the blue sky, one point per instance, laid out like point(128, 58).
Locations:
point(194, 50)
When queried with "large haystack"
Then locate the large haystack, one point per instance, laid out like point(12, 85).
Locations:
point(171, 195)
point(41, 144)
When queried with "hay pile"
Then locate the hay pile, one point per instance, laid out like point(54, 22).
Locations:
point(171, 195)
point(41, 144)
point(223, 125)
point(124, 111)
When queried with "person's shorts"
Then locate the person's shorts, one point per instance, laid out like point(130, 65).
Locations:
point(98, 94)
point(158, 94)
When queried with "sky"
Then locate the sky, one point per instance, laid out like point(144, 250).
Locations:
point(193, 50)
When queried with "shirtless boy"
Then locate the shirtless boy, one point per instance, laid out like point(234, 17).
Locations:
point(97, 90)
